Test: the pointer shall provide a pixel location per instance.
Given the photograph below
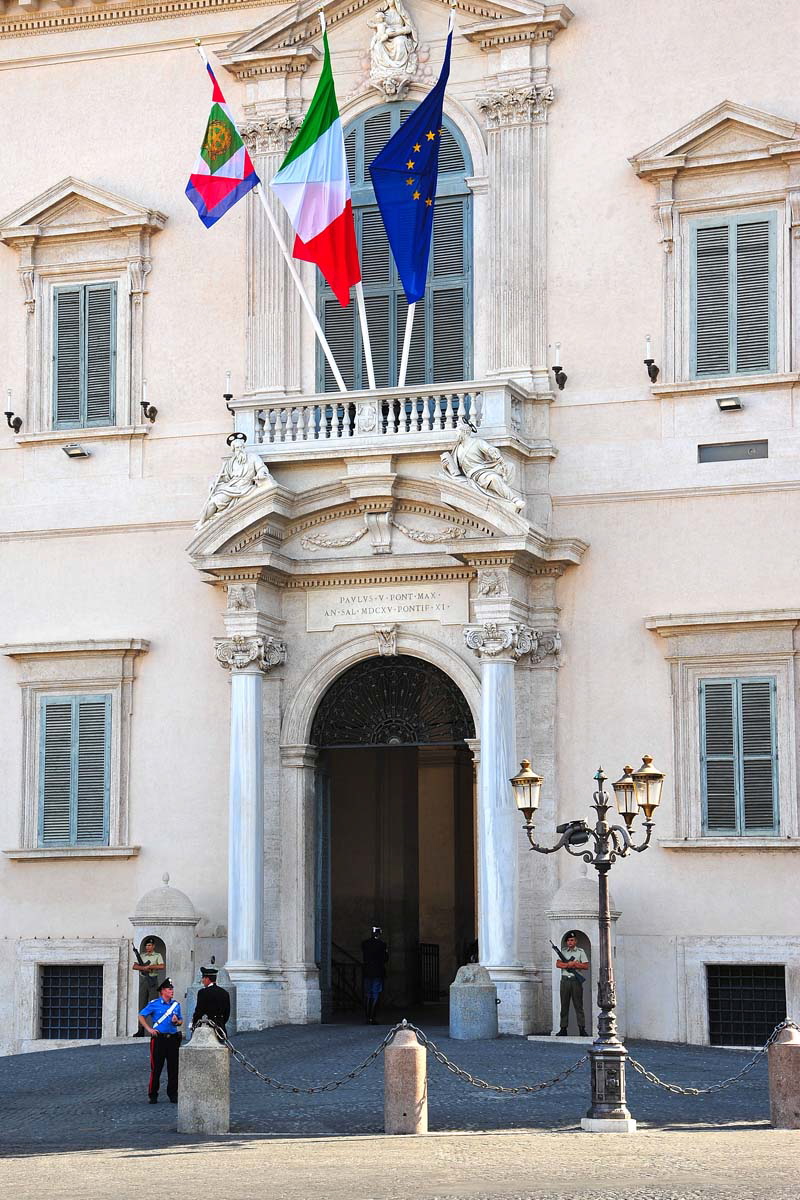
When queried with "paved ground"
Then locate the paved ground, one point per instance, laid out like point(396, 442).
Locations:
point(76, 1123)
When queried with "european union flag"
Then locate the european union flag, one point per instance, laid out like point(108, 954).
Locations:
point(404, 176)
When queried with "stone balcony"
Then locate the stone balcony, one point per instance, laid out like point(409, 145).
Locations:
point(409, 420)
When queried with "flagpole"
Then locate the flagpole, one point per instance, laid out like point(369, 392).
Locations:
point(401, 381)
point(362, 316)
point(323, 341)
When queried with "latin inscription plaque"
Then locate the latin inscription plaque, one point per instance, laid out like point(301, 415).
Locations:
point(447, 603)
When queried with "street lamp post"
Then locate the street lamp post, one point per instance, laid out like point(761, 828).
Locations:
point(635, 791)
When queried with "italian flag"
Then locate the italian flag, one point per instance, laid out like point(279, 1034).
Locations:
point(314, 187)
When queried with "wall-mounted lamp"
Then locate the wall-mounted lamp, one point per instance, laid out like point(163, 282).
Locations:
point(728, 403)
point(227, 395)
point(14, 423)
point(649, 361)
point(559, 374)
point(148, 410)
point(74, 450)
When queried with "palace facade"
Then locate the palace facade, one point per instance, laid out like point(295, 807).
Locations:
point(255, 728)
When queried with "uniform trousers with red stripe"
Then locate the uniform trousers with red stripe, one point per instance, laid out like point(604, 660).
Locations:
point(164, 1049)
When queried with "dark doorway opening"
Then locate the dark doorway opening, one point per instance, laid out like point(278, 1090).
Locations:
point(745, 1002)
point(396, 817)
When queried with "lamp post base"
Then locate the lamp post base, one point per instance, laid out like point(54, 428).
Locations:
point(608, 1125)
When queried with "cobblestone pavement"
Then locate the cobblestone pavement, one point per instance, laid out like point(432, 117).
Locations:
point(76, 1123)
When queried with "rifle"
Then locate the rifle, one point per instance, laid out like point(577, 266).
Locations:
point(561, 955)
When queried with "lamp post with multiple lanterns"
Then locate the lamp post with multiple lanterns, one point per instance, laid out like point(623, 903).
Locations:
point(636, 791)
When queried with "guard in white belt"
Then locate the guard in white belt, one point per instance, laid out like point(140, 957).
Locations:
point(162, 1019)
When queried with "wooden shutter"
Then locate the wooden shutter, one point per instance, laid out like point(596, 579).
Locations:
point(719, 756)
point(753, 296)
point(67, 357)
point(739, 756)
point(75, 758)
point(55, 773)
point(100, 358)
point(712, 301)
point(759, 757)
point(92, 770)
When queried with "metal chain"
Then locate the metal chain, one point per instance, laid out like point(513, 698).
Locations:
point(474, 1081)
point(422, 1038)
point(723, 1083)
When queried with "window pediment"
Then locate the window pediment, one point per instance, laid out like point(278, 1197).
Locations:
point(73, 207)
point(726, 135)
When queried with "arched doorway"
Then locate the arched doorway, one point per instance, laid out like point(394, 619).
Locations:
point(397, 828)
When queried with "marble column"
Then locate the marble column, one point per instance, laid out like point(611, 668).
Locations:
point(247, 659)
point(273, 305)
point(302, 1001)
point(515, 133)
point(498, 647)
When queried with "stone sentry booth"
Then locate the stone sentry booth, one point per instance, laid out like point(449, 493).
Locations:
point(169, 917)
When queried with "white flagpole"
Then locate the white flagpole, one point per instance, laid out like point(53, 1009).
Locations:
point(323, 341)
point(401, 380)
point(362, 316)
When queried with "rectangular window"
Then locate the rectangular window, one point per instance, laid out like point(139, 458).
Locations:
point(732, 451)
point(745, 1002)
point(739, 757)
point(71, 1002)
point(74, 770)
point(733, 281)
point(84, 355)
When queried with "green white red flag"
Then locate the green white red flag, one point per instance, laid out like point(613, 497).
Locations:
point(313, 185)
point(224, 171)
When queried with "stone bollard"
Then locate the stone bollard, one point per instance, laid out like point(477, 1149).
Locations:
point(783, 1059)
point(473, 1004)
point(405, 1085)
point(204, 1088)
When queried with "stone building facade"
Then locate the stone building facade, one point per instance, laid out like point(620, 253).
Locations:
point(305, 707)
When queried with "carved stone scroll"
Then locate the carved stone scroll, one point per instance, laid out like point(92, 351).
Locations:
point(238, 653)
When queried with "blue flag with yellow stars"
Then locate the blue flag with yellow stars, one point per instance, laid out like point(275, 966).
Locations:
point(404, 176)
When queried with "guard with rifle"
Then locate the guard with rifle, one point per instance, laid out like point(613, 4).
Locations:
point(573, 964)
point(148, 966)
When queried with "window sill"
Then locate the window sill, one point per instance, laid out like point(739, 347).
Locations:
point(60, 437)
point(35, 854)
point(730, 843)
point(726, 383)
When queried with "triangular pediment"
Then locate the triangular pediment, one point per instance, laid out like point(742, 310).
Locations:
point(291, 39)
point(727, 134)
point(74, 206)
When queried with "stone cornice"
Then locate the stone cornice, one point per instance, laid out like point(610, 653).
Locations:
point(28, 24)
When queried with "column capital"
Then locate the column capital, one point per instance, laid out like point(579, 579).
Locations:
point(516, 105)
point(498, 641)
point(241, 653)
point(272, 133)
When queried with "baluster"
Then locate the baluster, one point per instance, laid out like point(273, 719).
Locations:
point(384, 416)
point(293, 419)
point(282, 415)
point(339, 419)
point(351, 419)
point(271, 417)
point(305, 419)
point(477, 408)
point(419, 405)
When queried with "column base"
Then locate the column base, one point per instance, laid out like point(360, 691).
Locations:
point(608, 1125)
point(258, 1005)
point(302, 999)
point(518, 992)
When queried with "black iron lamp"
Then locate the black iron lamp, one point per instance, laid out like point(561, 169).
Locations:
point(559, 373)
point(14, 422)
point(649, 361)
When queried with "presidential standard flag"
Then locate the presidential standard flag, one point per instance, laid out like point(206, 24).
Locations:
point(404, 176)
point(313, 185)
point(224, 171)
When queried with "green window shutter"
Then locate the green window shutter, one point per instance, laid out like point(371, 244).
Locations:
point(84, 355)
point(55, 773)
point(718, 749)
point(733, 285)
point(441, 342)
point(739, 758)
point(74, 775)
point(67, 357)
point(100, 358)
point(759, 756)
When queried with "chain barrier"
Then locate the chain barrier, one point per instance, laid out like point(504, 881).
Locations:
point(332, 1084)
point(723, 1083)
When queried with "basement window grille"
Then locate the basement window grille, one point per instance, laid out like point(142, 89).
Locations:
point(71, 1002)
point(745, 1003)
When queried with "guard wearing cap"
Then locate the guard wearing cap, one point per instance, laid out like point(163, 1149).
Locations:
point(374, 956)
point(212, 1001)
point(573, 965)
point(162, 1019)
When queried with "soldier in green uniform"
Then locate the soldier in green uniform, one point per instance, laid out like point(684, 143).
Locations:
point(573, 965)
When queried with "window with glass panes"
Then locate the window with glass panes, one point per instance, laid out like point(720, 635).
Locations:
point(441, 344)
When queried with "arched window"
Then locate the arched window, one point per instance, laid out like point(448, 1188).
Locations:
point(441, 345)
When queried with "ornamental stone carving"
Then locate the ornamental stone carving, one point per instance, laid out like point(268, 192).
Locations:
point(494, 640)
point(548, 644)
point(28, 278)
point(237, 476)
point(493, 582)
point(271, 135)
point(323, 540)
point(392, 50)
point(138, 270)
point(516, 106)
point(482, 464)
point(241, 598)
point(429, 537)
point(387, 640)
point(238, 653)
